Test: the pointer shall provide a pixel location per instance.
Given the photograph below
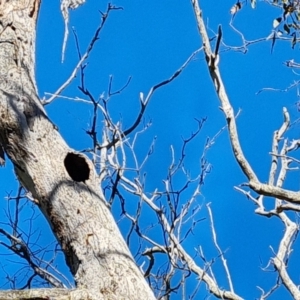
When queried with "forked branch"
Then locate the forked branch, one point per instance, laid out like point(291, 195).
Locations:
point(274, 187)
point(211, 59)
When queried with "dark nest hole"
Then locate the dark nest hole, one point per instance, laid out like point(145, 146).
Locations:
point(77, 167)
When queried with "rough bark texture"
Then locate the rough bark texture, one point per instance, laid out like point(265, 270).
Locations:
point(94, 248)
point(44, 294)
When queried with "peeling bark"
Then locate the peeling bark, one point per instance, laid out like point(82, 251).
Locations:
point(94, 249)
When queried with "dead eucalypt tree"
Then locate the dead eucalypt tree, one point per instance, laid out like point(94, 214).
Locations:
point(153, 148)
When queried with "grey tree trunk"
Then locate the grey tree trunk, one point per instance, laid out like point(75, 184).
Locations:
point(94, 249)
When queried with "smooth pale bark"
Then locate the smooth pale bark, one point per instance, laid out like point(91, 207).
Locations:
point(95, 251)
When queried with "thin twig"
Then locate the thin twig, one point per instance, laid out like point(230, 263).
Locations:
point(221, 254)
point(85, 56)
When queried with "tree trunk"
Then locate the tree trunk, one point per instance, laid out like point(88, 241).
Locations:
point(63, 182)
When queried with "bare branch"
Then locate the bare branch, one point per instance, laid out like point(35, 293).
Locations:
point(21, 249)
point(86, 55)
point(144, 102)
point(291, 229)
point(219, 86)
point(221, 254)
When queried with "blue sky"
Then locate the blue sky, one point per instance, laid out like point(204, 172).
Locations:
point(150, 41)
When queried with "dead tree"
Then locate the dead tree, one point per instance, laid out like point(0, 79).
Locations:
point(62, 182)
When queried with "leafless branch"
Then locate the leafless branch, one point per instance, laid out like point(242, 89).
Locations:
point(86, 55)
point(145, 101)
point(221, 254)
point(274, 187)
